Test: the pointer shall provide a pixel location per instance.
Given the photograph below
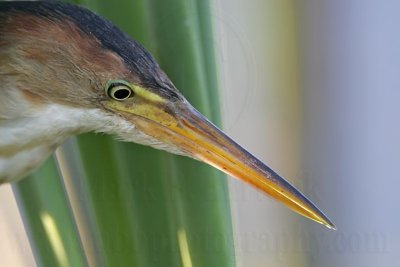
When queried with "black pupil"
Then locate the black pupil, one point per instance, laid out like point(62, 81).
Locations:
point(121, 93)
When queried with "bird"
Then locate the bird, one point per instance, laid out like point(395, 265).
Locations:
point(65, 70)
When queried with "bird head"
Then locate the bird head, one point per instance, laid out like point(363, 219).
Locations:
point(64, 54)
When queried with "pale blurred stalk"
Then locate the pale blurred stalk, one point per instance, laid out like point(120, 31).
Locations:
point(261, 106)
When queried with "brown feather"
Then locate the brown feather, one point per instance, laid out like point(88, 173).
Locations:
point(70, 67)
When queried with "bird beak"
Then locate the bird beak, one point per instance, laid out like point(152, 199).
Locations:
point(185, 128)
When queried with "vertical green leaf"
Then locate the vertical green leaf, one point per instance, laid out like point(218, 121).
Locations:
point(47, 217)
point(203, 198)
point(146, 207)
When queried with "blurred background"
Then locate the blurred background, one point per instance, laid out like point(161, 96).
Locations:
point(312, 89)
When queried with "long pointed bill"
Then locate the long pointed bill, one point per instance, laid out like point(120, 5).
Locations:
point(194, 135)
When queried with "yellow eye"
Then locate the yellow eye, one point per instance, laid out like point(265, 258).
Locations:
point(118, 90)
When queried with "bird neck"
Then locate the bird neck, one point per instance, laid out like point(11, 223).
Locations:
point(47, 125)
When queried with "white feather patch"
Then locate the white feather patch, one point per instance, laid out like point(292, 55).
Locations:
point(27, 140)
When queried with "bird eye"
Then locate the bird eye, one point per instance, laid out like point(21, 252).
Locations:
point(118, 90)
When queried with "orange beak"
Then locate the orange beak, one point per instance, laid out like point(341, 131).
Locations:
point(190, 132)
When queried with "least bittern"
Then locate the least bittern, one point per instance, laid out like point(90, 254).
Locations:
point(65, 71)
